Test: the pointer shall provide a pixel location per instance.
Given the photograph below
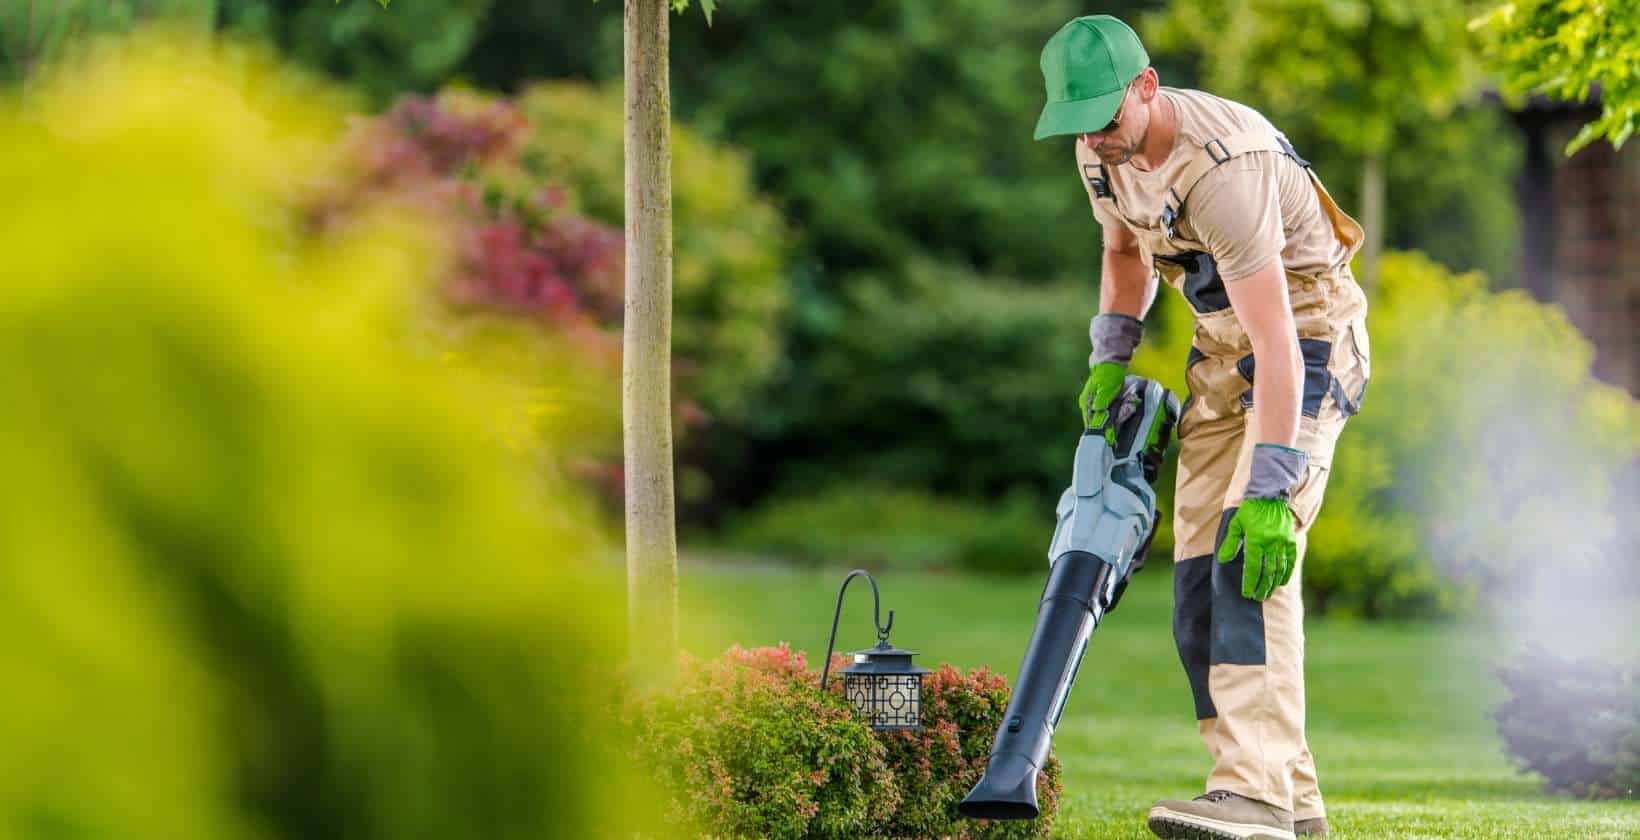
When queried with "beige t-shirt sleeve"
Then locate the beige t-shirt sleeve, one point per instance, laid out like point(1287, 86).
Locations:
point(1235, 210)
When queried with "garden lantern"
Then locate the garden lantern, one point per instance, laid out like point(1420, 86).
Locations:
point(881, 682)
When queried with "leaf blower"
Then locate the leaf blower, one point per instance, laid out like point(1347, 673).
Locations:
point(1106, 519)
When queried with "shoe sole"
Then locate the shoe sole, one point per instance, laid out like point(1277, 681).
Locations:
point(1172, 825)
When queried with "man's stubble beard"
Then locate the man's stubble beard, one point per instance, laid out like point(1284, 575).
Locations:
point(1127, 155)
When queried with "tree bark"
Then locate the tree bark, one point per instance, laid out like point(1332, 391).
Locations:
point(651, 539)
point(1372, 218)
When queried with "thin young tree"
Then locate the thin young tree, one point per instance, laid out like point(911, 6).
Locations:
point(646, 367)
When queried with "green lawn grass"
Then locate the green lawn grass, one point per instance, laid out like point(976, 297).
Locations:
point(1398, 713)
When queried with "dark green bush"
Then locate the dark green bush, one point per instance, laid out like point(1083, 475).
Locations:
point(747, 746)
point(941, 379)
point(1576, 722)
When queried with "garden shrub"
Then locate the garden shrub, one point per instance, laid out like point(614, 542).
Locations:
point(271, 568)
point(1575, 721)
point(747, 745)
point(942, 379)
point(937, 766)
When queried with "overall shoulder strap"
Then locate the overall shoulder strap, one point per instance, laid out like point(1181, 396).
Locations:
point(1209, 155)
point(1097, 180)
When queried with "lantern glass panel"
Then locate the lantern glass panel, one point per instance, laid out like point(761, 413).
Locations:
point(888, 701)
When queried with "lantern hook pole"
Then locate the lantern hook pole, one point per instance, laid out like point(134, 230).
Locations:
point(876, 618)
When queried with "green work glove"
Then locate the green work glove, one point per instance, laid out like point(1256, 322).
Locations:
point(1104, 383)
point(1263, 525)
point(1114, 337)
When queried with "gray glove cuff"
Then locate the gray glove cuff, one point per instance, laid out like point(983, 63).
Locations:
point(1114, 336)
point(1275, 471)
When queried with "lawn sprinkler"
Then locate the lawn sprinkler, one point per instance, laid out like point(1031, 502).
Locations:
point(1106, 519)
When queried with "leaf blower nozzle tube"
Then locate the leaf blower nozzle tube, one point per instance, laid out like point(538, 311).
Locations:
point(1105, 521)
point(1065, 620)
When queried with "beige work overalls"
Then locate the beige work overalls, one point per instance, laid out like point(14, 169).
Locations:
point(1245, 659)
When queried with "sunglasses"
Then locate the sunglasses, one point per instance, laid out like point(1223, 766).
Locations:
point(1116, 121)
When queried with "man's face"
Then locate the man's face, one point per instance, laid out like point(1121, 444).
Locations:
point(1116, 144)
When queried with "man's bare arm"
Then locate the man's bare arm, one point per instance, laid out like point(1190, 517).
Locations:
point(1261, 305)
point(1127, 286)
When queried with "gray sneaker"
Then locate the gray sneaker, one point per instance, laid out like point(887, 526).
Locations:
point(1220, 815)
point(1316, 827)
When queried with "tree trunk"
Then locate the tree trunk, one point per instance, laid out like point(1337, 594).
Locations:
point(651, 540)
point(1372, 218)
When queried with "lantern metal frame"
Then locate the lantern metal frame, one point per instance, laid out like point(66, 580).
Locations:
point(879, 675)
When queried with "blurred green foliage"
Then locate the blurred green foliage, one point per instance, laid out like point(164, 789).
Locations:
point(1485, 453)
point(939, 378)
point(729, 243)
point(272, 568)
point(1451, 190)
point(1387, 80)
point(896, 131)
point(1567, 49)
point(1356, 73)
point(381, 52)
point(36, 33)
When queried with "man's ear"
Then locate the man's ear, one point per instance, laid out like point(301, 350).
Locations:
point(1149, 81)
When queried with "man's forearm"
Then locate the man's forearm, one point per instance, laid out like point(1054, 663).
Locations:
point(1277, 386)
point(1126, 284)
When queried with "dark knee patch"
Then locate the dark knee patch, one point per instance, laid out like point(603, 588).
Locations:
point(1237, 636)
point(1192, 625)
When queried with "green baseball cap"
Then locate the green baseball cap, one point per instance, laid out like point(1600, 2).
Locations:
point(1088, 65)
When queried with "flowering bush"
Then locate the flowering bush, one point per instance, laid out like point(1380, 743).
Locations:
point(748, 746)
point(530, 194)
point(521, 250)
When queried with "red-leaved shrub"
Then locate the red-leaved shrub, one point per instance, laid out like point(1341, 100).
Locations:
point(748, 746)
point(937, 766)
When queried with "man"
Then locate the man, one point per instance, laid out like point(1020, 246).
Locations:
point(1206, 194)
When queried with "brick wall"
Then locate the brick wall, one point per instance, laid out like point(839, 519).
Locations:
point(1593, 245)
